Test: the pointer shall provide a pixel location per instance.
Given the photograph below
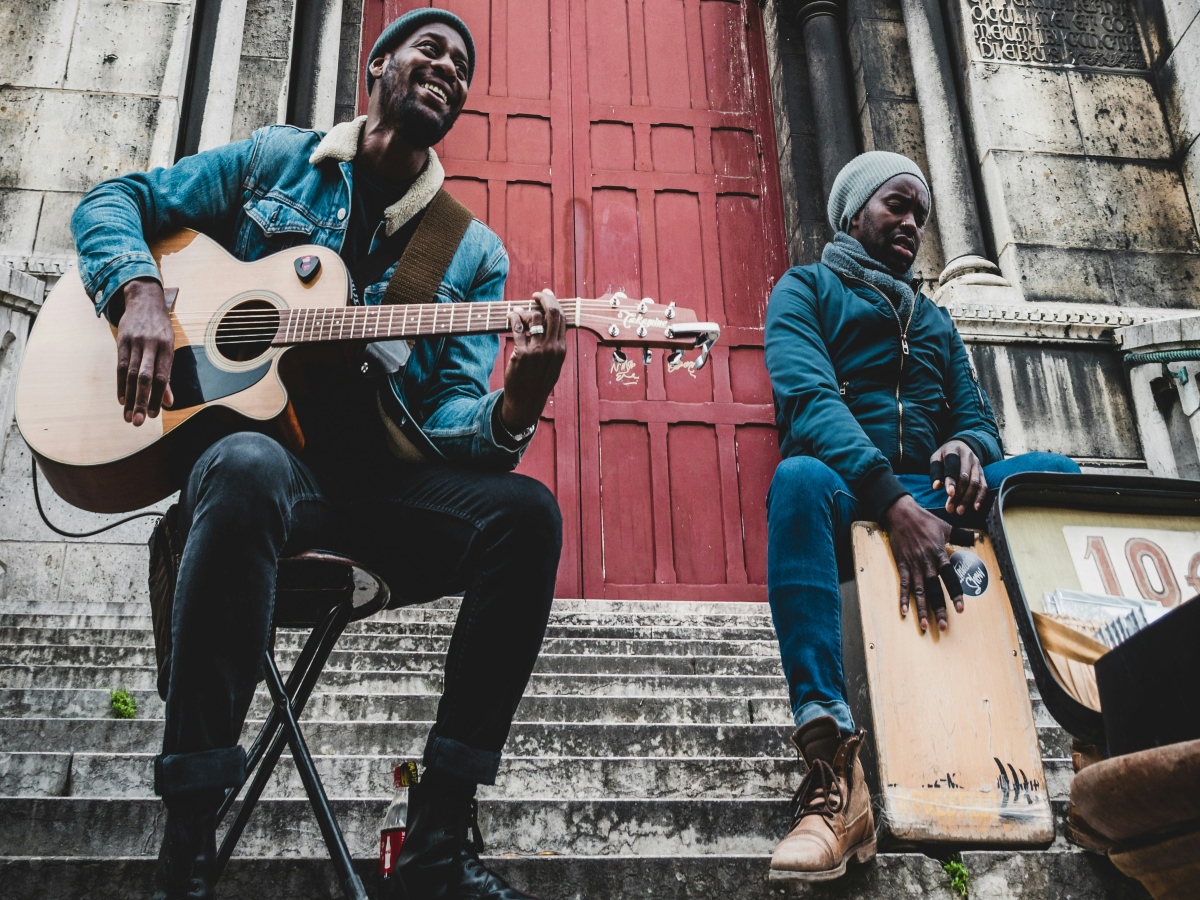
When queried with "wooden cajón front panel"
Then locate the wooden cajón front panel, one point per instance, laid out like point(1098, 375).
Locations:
point(629, 144)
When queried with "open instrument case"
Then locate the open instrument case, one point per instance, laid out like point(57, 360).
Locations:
point(1049, 532)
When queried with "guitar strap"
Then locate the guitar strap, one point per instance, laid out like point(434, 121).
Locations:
point(416, 279)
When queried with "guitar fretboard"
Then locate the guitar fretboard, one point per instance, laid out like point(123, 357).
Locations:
point(370, 323)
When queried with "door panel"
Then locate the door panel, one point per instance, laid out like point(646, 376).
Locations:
point(675, 173)
point(629, 144)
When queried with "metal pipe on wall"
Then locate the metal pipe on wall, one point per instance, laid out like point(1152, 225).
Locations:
point(833, 109)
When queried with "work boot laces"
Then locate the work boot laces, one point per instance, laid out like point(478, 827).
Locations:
point(819, 794)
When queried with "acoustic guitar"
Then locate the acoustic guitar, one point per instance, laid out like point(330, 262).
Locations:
point(233, 323)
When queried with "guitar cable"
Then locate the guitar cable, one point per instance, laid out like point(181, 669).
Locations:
point(80, 534)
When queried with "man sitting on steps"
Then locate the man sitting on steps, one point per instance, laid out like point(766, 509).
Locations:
point(446, 516)
point(872, 385)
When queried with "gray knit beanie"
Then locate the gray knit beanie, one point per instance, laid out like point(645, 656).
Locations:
point(410, 22)
point(861, 178)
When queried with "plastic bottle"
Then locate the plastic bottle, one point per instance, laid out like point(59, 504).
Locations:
point(395, 820)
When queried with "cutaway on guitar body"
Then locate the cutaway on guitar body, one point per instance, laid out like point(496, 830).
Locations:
point(224, 376)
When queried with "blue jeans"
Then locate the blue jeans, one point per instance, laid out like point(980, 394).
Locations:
point(809, 512)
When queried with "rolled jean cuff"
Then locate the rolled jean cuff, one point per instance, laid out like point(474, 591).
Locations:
point(836, 708)
point(452, 758)
point(184, 774)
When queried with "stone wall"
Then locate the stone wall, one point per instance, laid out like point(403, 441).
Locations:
point(88, 89)
point(795, 138)
point(1086, 198)
point(888, 114)
point(1173, 38)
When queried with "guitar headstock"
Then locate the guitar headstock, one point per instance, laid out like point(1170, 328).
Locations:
point(622, 321)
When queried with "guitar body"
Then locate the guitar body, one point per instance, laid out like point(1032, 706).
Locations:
point(66, 404)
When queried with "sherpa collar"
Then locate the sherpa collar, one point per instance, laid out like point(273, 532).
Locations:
point(341, 144)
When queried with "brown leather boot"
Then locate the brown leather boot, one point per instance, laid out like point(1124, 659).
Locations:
point(831, 821)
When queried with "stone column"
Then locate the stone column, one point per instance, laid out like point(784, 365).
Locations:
point(833, 109)
point(955, 205)
point(20, 299)
point(315, 56)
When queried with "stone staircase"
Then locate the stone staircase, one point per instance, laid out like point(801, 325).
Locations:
point(649, 759)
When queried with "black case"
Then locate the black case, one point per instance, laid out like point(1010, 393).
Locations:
point(1103, 493)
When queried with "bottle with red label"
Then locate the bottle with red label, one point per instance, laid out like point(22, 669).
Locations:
point(395, 820)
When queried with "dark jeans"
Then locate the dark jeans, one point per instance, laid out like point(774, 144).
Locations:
point(428, 530)
point(809, 512)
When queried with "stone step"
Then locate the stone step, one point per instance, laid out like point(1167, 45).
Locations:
point(415, 661)
point(144, 678)
point(591, 614)
point(995, 875)
point(74, 618)
point(344, 706)
point(83, 826)
point(408, 738)
point(40, 774)
point(370, 777)
point(67, 826)
point(290, 639)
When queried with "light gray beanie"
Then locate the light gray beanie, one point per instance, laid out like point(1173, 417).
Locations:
point(861, 178)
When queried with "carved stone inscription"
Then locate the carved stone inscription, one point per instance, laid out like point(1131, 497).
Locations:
point(1098, 33)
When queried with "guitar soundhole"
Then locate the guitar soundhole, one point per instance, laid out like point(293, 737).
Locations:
point(246, 330)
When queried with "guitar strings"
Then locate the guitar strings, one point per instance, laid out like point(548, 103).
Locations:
point(256, 326)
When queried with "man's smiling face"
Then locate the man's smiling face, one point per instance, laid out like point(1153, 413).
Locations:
point(891, 224)
point(423, 83)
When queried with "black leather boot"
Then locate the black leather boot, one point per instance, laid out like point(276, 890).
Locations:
point(440, 856)
point(185, 869)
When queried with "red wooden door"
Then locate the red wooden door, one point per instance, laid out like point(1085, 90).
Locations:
point(678, 196)
point(630, 143)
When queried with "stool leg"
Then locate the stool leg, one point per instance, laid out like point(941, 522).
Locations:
point(352, 885)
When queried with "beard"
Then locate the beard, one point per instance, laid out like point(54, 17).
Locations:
point(401, 109)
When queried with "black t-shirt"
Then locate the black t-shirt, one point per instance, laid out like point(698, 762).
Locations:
point(372, 195)
point(338, 409)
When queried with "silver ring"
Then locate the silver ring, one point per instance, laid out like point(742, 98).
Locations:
point(537, 329)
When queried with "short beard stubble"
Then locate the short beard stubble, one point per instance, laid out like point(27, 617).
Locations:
point(403, 111)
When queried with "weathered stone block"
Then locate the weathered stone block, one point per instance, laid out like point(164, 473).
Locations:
point(882, 57)
point(1087, 202)
point(268, 30)
point(54, 223)
point(1179, 15)
point(32, 570)
point(18, 218)
point(1084, 275)
point(262, 84)
point(105, 573)
point(36, 36)
point(1022, 108)
point(123, 46)
point(1179, 84)
point(1072, 400)
point(1119, 115)
point(59, 141)
point(875, 9)
point(1191, 178)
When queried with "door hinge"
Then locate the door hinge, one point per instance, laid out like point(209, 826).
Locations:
point(758, 145)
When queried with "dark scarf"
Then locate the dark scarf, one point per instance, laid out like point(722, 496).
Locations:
point(846, 256)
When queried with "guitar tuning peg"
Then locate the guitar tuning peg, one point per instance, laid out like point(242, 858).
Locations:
point(647, 356)
point(675, 357)
point(619, 355)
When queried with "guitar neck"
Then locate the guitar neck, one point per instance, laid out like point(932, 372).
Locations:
point(378, 323)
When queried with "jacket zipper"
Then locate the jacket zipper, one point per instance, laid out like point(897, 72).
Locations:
point(903, 326)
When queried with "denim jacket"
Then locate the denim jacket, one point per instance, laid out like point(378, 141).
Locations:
point(286, 186)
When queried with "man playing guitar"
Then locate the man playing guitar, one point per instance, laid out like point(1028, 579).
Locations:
point(447, 517)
